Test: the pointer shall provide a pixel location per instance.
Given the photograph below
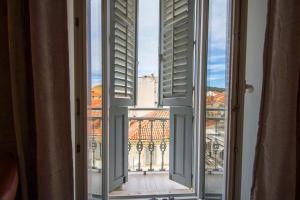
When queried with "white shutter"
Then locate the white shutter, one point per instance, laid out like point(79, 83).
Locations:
point(181, 145)
point(176, 82)
point(123, 52)
point(118, 147)
point(176, 52)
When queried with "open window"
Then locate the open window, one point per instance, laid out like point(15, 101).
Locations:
point(176, 84)
point(183, 141)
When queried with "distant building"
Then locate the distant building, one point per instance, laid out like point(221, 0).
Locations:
point(147, 94)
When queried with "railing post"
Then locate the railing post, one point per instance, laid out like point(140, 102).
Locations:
point(94, 145)
point(151, 146)
point(139, 147)
point(129, 148)
point(216, 128)
point(163, 146)
point(216, 146)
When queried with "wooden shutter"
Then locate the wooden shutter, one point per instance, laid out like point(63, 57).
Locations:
point(181, 145)
point(176, 52)
point(176, 82)
point(118, 147)
point(123, 52)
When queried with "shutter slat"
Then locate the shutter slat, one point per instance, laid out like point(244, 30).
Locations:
point(123, 50)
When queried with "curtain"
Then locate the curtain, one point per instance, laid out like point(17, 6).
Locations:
point(36, 57)
point(276, 166)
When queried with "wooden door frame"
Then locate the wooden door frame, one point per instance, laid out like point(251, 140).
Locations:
point(234, 139)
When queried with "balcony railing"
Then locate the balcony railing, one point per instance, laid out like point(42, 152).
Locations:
point(148, 144)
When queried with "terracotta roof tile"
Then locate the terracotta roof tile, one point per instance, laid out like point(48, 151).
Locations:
point(145, 133)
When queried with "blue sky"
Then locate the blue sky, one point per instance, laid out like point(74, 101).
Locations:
point(217, 43)
point(96, 41)
point(149, 35)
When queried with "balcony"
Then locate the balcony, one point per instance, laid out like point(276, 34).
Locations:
point(148, 157)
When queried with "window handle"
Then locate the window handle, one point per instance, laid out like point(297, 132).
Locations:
point(249, 88)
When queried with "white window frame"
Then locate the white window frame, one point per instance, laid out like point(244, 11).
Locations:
point(237, 52)
point(199, 192)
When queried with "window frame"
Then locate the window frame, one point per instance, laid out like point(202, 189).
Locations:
point(198, 178)
point(232, 160)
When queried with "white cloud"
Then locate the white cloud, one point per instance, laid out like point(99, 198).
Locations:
point(214, 68)
point(218, 23)
point(216, 57)
point(215, 77)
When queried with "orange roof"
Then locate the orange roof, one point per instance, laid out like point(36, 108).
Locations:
point(94, 127)
point(210, 100)
point(96, 103)
point(210, 123)
point(96, 91)
point(145, 133)
point(218, 98)
point(94, 124)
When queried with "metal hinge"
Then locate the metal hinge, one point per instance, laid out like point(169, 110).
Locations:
point(77, 106)
point(238, 35)
point(235, 149)
point(78, 148)
point(235, 108)
point(76, 21)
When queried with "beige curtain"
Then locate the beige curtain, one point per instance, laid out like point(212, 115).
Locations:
point(36, 48)
point(276, 167)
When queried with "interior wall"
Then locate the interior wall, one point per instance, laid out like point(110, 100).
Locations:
point(257, 12)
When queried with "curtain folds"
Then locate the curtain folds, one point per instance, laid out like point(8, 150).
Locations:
point(37, 38)
point(275, 173)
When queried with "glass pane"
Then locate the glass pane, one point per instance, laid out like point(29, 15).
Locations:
point(94, 95)
point(215, 98)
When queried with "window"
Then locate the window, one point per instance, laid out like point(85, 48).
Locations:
point(176, 84)
point(180, 64)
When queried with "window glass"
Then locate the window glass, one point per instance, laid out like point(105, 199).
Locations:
point(94, 99)
point(216, 98)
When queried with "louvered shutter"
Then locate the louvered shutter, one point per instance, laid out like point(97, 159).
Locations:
point(123, 52)
point(176, 52)
point(176, 83)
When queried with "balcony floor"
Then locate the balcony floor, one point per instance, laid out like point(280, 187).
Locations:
point(151, 184)
point(139, 184)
